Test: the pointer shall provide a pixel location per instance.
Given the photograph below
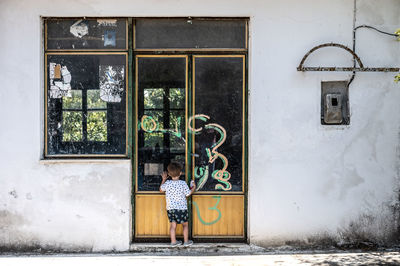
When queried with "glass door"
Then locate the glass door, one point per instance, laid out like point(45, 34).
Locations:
point(200, 125)
point(218, 134)
point(161, 136)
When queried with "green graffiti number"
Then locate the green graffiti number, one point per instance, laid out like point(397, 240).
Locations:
point(211, 208)
point(221, 175)
point(202, 174)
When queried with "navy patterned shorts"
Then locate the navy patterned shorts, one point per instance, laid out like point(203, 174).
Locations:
point(178, 216)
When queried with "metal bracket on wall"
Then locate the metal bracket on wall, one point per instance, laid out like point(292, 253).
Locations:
point(361, 67)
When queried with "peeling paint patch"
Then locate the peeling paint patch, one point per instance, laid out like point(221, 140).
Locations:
point(13, 193)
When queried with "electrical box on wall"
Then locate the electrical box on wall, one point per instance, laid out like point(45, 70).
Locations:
point(335, 103)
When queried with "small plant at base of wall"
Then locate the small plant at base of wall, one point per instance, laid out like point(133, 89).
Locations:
point(397, 78)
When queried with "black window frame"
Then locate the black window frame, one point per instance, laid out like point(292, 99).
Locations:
point(84, 153)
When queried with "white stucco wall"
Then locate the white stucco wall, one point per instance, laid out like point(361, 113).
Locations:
point(305, 179)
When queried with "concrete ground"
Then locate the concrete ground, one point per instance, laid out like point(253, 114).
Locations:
point(205, 254)
point(370, 258)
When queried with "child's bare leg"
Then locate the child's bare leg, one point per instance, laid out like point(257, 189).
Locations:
point(172, 231)
point(185, 231)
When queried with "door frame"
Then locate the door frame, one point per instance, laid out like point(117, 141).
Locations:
point(189, 111)
point(133, 117)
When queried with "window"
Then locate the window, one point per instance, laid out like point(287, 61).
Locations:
point(86, 87)
point(191, 34)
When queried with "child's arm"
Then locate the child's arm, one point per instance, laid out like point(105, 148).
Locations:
point(164, 177)
point(192, 188)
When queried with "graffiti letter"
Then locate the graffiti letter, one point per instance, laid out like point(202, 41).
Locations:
point(146, 123)
point(201, 117)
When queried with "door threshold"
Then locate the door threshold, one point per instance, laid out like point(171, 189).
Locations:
point(197, 249)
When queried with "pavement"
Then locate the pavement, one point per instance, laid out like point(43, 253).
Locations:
point(206, 254)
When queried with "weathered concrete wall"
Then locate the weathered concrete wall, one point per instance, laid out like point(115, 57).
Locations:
point(65, 206)
point(305, 179)
point(317, 179)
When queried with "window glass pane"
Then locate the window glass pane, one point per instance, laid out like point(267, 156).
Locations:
point(74, 101)
point(94, 101)
point(183, 33)
point(161, 129)
point(153, 98)
point(95, 84)
point(154, 140)
point(86, 34)
point(219, 143)
point(72, 126)
point(97, 125)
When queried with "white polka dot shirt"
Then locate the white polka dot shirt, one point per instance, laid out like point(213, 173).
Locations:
point(175, 194)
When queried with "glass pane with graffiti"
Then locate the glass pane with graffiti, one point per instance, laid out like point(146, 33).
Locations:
point(161, 117)
point(218, 123)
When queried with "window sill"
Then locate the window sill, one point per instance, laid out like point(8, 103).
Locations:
point(83, 161)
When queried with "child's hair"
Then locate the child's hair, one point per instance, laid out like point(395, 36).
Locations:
point(174, 169)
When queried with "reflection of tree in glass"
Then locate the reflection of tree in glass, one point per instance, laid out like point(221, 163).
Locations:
point(152, 139)
point(94, 101)
point(73, 102)
point(153, 98)
point(72, 126)
point(176, 98)
point(97, 126)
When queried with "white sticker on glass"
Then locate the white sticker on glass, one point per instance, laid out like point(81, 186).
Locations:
point(60, 81)
point(107, 22)
point(111, 83)
point(79, 29)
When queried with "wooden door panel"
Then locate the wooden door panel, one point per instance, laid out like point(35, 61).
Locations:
point(218, 216)
point(151, 217)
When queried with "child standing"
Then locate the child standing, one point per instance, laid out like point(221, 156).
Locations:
point(176, 192)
